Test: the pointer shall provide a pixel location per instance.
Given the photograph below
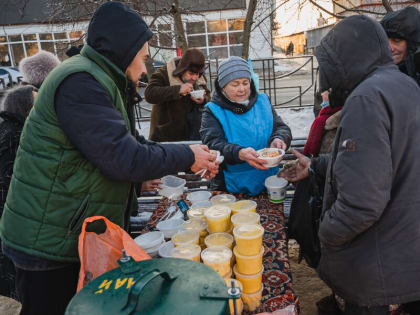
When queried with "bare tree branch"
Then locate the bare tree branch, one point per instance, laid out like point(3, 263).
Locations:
point(325, 10)
point(387, 6)
point(247, 28)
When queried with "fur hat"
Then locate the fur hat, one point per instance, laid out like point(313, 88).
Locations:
point(35, 69)
point(19, 100)
point(193, 60)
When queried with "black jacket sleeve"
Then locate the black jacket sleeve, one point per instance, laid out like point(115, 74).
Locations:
point(97, 129)
point(280, 130)
point(213, 136)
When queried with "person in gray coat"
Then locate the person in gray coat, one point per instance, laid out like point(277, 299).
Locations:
point(370, 223)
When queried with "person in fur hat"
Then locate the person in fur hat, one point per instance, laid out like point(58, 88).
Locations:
point(35, 69)
point(176, 115)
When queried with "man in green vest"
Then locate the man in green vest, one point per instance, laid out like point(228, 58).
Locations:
point(79, 157)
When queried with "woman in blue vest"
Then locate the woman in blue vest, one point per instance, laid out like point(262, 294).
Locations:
point(238, 122)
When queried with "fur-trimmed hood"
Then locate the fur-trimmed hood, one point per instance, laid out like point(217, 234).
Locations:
point(35, 69)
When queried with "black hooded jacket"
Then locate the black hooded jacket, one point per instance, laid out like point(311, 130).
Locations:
point(85, 109)
point(405, 24)
point(213, 136)
point(370, 223)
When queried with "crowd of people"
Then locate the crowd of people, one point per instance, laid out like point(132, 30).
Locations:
point(70, 150)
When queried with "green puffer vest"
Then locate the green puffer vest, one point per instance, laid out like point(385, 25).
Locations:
point(54, 187)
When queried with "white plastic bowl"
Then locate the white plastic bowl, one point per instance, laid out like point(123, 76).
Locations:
point(197, 93)
point(201, 204)
point(170, 227)
point(153, 251)
point(172, 186)
point(165, 250)
point(201, 195)
point(271, 161)
point(149, 240)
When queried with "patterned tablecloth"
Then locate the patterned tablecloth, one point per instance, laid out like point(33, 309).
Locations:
point(278, 292)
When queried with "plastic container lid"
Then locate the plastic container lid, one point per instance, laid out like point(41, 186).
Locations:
point(241, 275)
point(275, 182)
point(216, 254)
point(243, 206)
point(165, 250)
point(248, 231)
point(186, 251)
point(223, 199)
point(217, 212)
point(201, 195)
point(245, 218)
point(248, 257)
point(170, 224)
point(196, 225)
point(196, 213)
point(201, 204)
point(219, 239)
point(149, 240)
point(185, 237)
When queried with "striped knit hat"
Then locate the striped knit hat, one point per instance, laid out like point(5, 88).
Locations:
point(231, 69)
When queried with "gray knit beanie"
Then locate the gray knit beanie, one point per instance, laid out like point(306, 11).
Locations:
point(35, 69)
point(231, 69)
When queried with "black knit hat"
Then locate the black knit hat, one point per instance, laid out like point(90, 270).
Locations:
point(193, 60)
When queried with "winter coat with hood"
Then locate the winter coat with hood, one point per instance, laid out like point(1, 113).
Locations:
point(174, 117)
point(213, 135)
point(78, 154)
point(370, 228)
point(405, 24)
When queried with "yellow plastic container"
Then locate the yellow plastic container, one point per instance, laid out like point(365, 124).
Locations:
point(218, 218)
point(185, 237)
point(239, 303)
point(252, 300)
point(191, 252)
point(224, 199)
point(219, 239)
point(196, 213)
point(251, 283)
point(197, 225)
point(245, 218)
point(248, 265)
point(244, 206)
point(248, 239)
point(218, 258)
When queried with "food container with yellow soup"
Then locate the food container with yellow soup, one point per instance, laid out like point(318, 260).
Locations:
point(251, 283)
point(245, 218)
point(244, 206)
point(218, 218)
point(196, 213)
point(252, 300)
point(185, 237)
point(239, 304)
point(248, 239)
point(197, 225)
point(249, 265)
point(219, 239)
point(191, 252)
point(218, 258)
point(223, 199)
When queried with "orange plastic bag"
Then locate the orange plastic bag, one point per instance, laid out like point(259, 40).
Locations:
point(99, 253)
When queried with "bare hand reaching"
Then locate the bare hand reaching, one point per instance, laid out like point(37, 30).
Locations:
point(250, 156)
point(185, 89)
point(279, 144)
point(300, 170)
point(204, 159)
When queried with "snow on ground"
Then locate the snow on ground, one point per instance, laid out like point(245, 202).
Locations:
point(298, 119)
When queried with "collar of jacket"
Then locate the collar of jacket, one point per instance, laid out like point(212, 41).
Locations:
point(220, 99)
point(176, 80)
point(8, 116)
point(110, 68)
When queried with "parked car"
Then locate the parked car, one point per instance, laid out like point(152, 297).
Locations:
point(9, 76)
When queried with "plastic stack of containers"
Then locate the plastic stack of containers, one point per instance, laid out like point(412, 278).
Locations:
point(249, 252)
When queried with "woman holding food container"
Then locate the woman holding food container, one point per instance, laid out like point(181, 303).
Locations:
point(238, 122)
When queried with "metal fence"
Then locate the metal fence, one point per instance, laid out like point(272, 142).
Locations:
point(286, 87)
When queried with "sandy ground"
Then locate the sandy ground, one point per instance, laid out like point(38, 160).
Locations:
point(306, 284)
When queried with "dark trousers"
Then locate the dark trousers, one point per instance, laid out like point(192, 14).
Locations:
point(46, 292)
point(351, 309)
point(7, 276)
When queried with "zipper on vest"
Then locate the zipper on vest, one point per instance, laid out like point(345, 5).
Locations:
point(79, 215)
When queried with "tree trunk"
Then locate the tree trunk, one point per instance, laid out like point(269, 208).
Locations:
point(249, 20)
point(387, 6)
point(181, 40)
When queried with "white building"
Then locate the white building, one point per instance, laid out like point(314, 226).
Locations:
point(216, 28)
